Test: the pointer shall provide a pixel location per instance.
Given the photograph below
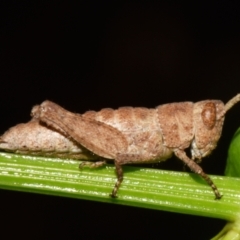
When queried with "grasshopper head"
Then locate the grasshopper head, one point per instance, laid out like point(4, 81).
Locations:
point(208, 118)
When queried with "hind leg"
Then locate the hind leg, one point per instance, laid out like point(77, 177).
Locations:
point(120, 160)
point(119, 172)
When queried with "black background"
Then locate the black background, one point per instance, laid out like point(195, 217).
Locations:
point(109, 54)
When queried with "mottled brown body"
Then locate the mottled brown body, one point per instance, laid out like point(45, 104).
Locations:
point(143, 142)
point(36, 139)
point(141, 135)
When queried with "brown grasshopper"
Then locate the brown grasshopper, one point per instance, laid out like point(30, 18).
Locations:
point(138, 135)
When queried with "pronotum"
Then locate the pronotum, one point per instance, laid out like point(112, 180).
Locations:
point(126, 135)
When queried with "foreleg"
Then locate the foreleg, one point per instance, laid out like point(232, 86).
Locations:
point(198, 170)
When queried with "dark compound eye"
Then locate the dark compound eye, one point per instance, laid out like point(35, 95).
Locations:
point(209, 115)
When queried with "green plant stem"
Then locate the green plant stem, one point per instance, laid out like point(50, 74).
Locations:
point(148, 188)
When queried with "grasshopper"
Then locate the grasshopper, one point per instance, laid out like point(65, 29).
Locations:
point(127, 135)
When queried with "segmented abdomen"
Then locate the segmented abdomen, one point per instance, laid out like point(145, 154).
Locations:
point(140, 127)
point(36, 139)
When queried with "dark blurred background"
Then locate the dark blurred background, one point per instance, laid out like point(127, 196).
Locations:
point(99, 54)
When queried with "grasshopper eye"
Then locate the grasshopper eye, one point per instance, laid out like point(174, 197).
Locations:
point(209, 115)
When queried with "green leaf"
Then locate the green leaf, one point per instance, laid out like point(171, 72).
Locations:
point(148, 188)
point(232, 229)
point(233, 161)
